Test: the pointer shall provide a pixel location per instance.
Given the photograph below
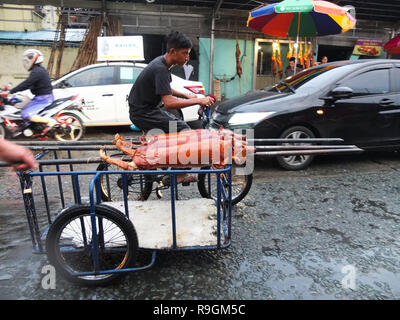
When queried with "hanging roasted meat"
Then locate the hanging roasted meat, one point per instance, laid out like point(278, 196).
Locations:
point(300, 56)
point(290, 52)
point(312, 62)
point(279, 61)
point(306, 55)
point(238, 65)
point(273, 60)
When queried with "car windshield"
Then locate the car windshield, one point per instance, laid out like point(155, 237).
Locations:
point(305, 78)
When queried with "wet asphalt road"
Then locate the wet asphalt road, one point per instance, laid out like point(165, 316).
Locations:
point(328, 232)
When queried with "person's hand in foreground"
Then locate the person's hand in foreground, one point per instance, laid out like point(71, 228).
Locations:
point(18, 157)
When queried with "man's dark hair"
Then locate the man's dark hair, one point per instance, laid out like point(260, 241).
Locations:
point(178, 40)
point(292, 59)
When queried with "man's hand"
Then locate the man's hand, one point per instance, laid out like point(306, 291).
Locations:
point(207, 101)
point(19, 157)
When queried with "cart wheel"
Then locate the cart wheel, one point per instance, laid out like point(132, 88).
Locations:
point(241, 185)
point(69, 244)
point(139, 186)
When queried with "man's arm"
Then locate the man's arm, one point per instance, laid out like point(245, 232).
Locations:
point(181, 94)
point(27, 84)
point(171, 102)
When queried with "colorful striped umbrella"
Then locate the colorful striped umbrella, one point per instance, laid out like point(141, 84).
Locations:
point(393, 45)
point(304, 18)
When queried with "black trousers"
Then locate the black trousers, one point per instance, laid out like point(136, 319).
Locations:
point(158, 119)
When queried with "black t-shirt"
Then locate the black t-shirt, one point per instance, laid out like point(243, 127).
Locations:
point(38, 82)
point(153, 82)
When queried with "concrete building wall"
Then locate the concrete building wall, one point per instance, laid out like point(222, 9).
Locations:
point(11, 67)
point(21, 19)
point(24, 18)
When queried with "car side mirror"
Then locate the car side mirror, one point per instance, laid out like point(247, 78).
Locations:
point(62, 85)
point(341, 93)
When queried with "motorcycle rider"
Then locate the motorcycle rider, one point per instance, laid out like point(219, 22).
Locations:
point(39, 84)
point(153, 86)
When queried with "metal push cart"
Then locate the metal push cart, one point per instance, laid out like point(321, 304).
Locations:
point(91, 241)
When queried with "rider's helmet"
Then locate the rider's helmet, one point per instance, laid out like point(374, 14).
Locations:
point(31, 57)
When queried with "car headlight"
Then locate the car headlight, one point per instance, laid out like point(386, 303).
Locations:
point(248, 117)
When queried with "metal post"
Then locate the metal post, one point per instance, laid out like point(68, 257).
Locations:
point(214, 13)
point(210, 85)
point(173, 215)
point(297, 43)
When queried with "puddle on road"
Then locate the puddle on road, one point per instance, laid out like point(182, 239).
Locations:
point(286, 283)
point(313, 277)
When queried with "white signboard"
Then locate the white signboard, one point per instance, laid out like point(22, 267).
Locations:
point(50, 17)
point(120, 48)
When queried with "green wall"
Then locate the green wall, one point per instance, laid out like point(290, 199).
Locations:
point(225, 65)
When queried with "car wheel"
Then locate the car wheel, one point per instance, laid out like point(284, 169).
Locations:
point(296, 162)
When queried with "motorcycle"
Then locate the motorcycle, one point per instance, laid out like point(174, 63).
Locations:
point(66, 111)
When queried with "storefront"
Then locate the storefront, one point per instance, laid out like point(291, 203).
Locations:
point(271, 58)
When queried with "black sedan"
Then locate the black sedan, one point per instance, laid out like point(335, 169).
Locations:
point(358, 101)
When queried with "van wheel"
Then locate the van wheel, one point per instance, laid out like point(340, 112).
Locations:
point(296, 162)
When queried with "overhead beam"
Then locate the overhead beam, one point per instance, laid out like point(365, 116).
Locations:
point(60, 3)
point(136, 7)
point(114, 7)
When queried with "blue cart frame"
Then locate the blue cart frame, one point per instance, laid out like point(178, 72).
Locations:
point(223, 204)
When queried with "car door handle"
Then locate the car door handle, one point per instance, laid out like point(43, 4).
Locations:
point(108, 94)
point(386, 102)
